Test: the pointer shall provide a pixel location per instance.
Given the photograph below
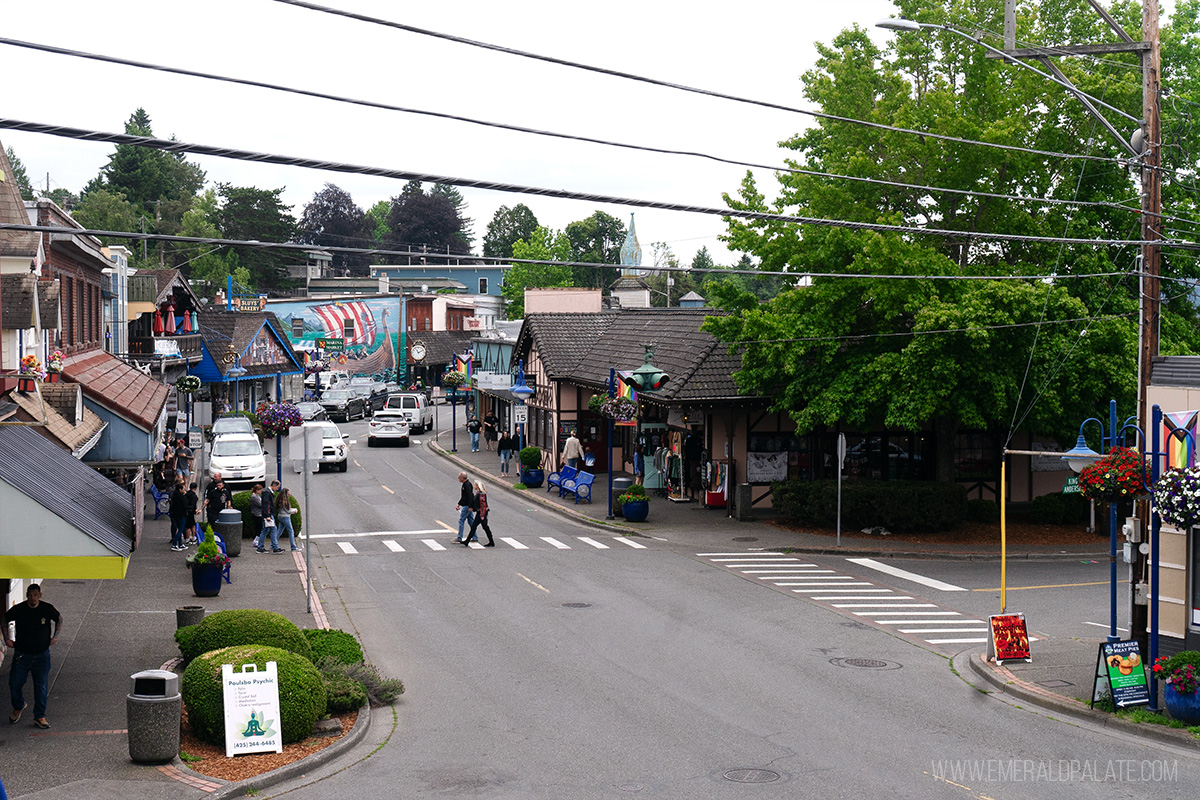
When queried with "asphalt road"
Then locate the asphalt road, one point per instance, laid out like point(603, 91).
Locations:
point(557, 668)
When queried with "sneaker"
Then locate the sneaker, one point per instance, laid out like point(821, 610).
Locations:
point(15, 716)
point(277, 550)
point(295, 549)
point(259, 550)
point(41, 723)
point(178, 547)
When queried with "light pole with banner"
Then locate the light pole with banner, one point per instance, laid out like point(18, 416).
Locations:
point(522, 392)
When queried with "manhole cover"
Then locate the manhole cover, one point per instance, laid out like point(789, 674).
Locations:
point(745, 539)
point(287, 572)
point(577, 605)
point(751, 775)
point(1055, 684)
point(864, 663)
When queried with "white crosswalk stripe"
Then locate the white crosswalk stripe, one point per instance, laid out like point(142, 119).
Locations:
point(433, 544)
point(393, 546)
point(364, 543)
point(556, 543)
point(513, 542)
point(630, 542)
point(592, 542)
point(347, 548)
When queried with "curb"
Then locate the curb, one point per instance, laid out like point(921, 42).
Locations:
point(926, 554)
point(304, 765)
point(1007, 683)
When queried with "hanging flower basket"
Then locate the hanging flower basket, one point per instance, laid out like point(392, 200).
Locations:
point(313, 367)
point(619, 409)
point(187, 384)
point(454, 380)
point(1117, 476)
point(277, 418)
point(1177, 497)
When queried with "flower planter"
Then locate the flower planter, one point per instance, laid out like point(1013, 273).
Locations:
point(533, 478)
point(206, 580)
point(26, 384)
point(53, 377)
point(636, 511)
point(1183, 707)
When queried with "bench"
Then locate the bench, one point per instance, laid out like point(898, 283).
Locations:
point(556, 479)
point(580, 486)
point(162, 502)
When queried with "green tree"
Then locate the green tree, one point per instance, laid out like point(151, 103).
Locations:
point(331, 219)
point(377, 221)
point(251, 214)
point(425, 220)
point(543, 245)
point(207, 265)
point(596, 240)
point(465, 235)
point(21, 176)
point(151, 178)
point(508, 225)
point(106, 210)
point(945, 354)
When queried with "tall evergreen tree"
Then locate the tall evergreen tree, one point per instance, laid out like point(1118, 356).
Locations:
point(247, 213)
point(331, 219)
point(21, 176)
point(421, 220)
point(508, 226)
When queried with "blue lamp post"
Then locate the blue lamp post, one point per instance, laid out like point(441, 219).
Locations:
point(522, 392)
point(646, 378)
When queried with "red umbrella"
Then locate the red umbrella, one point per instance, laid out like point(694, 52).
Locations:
point(187, 322)
point(158, 323)
point(170, 319)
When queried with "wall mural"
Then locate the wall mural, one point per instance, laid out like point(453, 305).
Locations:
point(372, 348)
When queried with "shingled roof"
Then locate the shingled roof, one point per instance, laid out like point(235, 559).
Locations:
point(564, 339)
point(219, 329)
point(118, 387)
point(69, 422)
point(16, 301)
point(12, 211)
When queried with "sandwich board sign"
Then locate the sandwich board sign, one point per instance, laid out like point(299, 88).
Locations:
point(1008, 638)
point(252, 723)
point(1120, 664)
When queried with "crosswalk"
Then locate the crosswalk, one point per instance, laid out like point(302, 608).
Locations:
point(375, 543)
point(861, 598)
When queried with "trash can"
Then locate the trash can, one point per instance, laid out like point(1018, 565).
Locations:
point(153, 709)
point(620, 486)
point(742, 503)
point(229, 527)
point(188, 615)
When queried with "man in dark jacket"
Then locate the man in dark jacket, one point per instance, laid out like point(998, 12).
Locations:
point(178, 513)
point(216, 497)
point(465, 496)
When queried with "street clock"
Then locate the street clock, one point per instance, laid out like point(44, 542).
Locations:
point(418, 351)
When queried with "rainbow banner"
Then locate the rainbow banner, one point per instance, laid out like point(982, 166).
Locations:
point(1174, 443)
point(464, 364)
point(624, 386)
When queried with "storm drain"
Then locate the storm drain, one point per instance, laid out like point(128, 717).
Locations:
point(751, 775)
point(745, 539)
point(287, 572)
point(864, 663)
point(577, 605)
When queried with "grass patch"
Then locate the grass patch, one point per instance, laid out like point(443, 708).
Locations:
point(520, 486)
point(188, 758)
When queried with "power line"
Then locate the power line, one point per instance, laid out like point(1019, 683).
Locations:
point(679, 86)
point(535, 131)
point(333, 166)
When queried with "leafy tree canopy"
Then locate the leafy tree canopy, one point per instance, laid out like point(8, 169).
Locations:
point(508, 225)
point(149, 178)
point(419, 219)
point(21, 176)
point(248, 213)
point(596, 240)
point(543, 245)
point(331, 219)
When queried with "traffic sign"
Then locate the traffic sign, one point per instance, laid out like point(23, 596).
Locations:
point(1072, 485)
point(520, 414)
point(332, 345)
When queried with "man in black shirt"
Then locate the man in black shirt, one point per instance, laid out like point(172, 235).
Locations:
point(216, 497)
point(31, 652)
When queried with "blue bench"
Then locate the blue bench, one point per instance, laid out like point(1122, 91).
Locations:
point(162, 502)
point(556, 479)
point(580, 486)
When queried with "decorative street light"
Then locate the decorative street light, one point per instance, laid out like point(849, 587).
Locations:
point(522, 392)
point(646, 378)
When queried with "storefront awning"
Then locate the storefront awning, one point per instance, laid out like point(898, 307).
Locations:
point(61, 518)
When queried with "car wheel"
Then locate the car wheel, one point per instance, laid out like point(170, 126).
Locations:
point(370, 442)
point(345, 465)
point(404, 442)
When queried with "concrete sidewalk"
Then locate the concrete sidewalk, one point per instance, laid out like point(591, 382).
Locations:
point(111, 630)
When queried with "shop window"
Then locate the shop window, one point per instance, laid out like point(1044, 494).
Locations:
point(976, 457)
point(483, 285)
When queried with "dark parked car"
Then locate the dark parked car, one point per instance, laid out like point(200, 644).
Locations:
point(375, 392)
point(344, 404)
point(311, 412)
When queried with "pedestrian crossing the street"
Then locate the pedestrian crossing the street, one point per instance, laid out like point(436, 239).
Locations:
point(884, 606)
point(375, 543)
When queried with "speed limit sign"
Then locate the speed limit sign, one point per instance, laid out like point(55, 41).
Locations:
point(520, 414)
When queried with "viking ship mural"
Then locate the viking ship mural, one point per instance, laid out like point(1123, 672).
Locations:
point(371, 349)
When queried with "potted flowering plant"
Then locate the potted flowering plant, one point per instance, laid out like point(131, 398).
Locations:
point(187, 384)
point(1117, 476)
point(1180, 694)
point(207, 565)
point(277, 418)
point(1177, 497)
point(619, 409)
point(30, 372)
point(54, 366)
point(634, 503)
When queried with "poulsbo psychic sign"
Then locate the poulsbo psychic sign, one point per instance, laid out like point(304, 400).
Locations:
point(252, 723)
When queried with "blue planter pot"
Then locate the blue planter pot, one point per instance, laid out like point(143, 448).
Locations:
point(533, 478)
point(1183, 707)
point(637, 511)
point(206, 580)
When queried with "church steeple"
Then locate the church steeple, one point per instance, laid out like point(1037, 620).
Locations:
point(631, 252)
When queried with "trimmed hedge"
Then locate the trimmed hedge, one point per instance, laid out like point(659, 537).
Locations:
point(1059, 509)
point(251, 525)
point(335, 644)
point(343, 693)
point(895, 505)
point(302, 696)
point(983, 511)
point(242, 626)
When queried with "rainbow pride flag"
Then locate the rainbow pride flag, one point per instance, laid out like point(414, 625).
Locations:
point(624, 387)
point(1176, 445)
point(464, 364)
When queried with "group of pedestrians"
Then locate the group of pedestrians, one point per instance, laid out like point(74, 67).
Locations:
point(272, 508)
point(472, 510)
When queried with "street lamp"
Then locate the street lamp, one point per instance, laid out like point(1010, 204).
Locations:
point(522, 392)
point(646, 378)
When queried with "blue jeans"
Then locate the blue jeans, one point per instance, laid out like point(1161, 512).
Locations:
point(474, 441)
point(22, 666)
point(505, 455)
point(465, 517)
point(178, 524)
point(284, 522)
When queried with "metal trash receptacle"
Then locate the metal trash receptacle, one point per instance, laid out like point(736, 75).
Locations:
point(620, 486)
point(229, 527)
point(743, 502)
point(153, 710)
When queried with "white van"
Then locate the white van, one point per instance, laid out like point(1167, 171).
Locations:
point(329, 380)
point(416, 410)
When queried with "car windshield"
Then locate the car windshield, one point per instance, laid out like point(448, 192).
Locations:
point(330, 433)
point(308, 408)
point(233, 424)
point(360, 381)
point(337, 396)
point(235, 447)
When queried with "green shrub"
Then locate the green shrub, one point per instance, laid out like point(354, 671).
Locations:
point(242, 626)
point(896, 505)
point(530, 457)
point(520, 486)
point(302, 697)
point(1057, 508)
point(380, 690)
point(334, 644)
point(983, 511)
point(342, 693)
point(251, 525)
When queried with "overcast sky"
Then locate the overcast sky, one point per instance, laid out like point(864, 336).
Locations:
point(751, 48)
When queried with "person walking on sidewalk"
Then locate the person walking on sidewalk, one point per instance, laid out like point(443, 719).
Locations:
point(465, 496)
point(283, 515)
point(572, 451)
point(473, 428)
point(216, 497)
point(270, 528)
point(505, 446)
point(256, 513)
point(191, 504)
point(31, 652)
point(177, 509)
point(491, 426)
point(480, 506)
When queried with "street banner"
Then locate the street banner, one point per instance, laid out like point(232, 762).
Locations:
point(1008, 638)
point(252, 723)
point(1120, 665)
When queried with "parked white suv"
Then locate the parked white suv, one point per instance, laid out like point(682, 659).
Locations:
point(335, 446)
point(239, 457)
point(416, 410)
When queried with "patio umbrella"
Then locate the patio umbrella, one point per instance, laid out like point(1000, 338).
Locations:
point(187, 322)
point(158, 323)
point(170, 320)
